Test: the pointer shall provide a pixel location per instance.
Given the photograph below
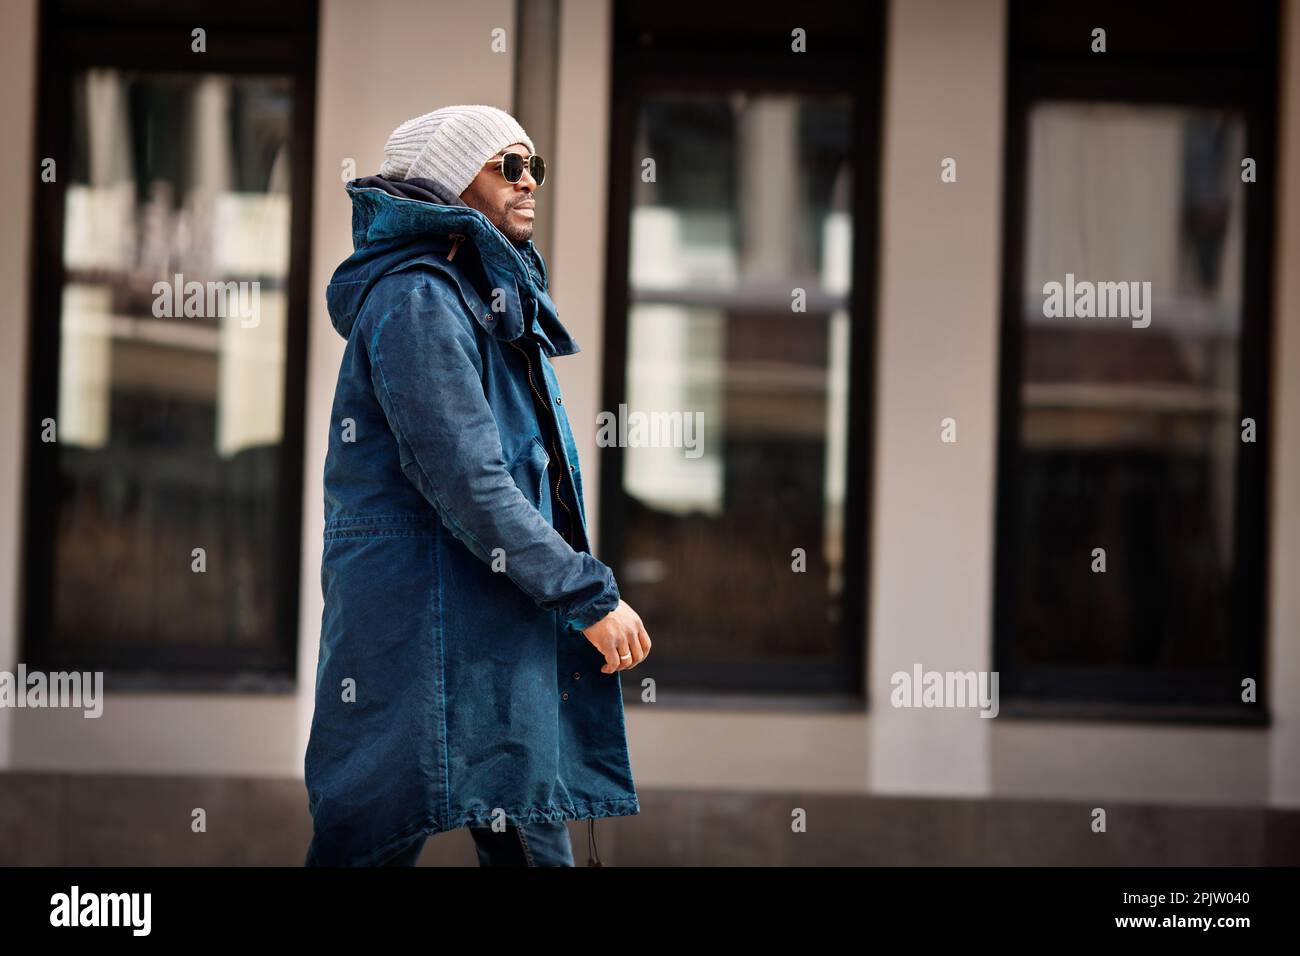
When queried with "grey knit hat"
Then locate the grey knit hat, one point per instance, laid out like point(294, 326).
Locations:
point(450, 145)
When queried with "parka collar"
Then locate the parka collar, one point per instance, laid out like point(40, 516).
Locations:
point(380, 215)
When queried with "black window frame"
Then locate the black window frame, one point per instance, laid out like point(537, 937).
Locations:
point(243, 37)
point(1178, 54)
point(681, 46)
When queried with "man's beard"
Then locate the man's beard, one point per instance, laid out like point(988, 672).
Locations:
point(517, 234)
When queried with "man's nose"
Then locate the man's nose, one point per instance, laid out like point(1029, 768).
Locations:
point(526, 180)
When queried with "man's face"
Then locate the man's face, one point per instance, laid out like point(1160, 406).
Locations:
point(509, 206)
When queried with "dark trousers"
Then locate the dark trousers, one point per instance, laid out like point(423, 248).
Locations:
point(534, 844)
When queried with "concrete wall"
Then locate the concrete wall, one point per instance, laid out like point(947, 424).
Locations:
point(18, 116)
point(1284, 543)
point(932, 542)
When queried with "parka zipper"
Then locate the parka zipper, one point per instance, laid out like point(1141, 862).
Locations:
point(591, 829)
point(559, 478)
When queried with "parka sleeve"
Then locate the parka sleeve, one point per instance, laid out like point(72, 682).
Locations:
point(425, 369)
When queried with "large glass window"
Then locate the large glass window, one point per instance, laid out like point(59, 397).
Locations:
point(165, 526)
point(734, 536)
point(1130, 514)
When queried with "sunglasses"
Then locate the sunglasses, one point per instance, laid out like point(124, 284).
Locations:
point(512, 167)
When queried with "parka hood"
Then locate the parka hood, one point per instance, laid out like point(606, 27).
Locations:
point(400, 224)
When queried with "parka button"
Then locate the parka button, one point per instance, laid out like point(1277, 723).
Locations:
point(565, 695)
point(577, 676)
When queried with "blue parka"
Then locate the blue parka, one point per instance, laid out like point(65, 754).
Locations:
point(454, 685)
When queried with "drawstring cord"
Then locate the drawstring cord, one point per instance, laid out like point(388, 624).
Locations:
point(455, 238)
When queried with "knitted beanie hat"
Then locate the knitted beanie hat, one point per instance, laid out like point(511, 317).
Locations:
point(450, 145)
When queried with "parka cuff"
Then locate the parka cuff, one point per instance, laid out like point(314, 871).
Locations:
point(588, 614)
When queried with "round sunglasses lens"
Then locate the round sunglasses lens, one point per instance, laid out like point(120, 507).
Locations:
point(537, 166)
point(512, 167)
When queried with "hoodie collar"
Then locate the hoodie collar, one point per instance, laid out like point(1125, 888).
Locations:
point(386, 211)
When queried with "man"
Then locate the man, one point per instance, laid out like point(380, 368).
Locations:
point(471, 644)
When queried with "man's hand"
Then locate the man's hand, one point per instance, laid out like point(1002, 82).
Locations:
point(619, 633)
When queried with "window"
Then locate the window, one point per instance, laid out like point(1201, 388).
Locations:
point(1134, 407)
point(743, 197)
point(168, 346)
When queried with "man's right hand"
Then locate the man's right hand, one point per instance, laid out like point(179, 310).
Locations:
point(620, 632)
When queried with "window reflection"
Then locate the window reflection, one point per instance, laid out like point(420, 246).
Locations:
point(747, 200)
point(1130, 436)
point(170, 426)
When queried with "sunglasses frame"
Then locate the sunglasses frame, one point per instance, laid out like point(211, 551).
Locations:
point(535, 159)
